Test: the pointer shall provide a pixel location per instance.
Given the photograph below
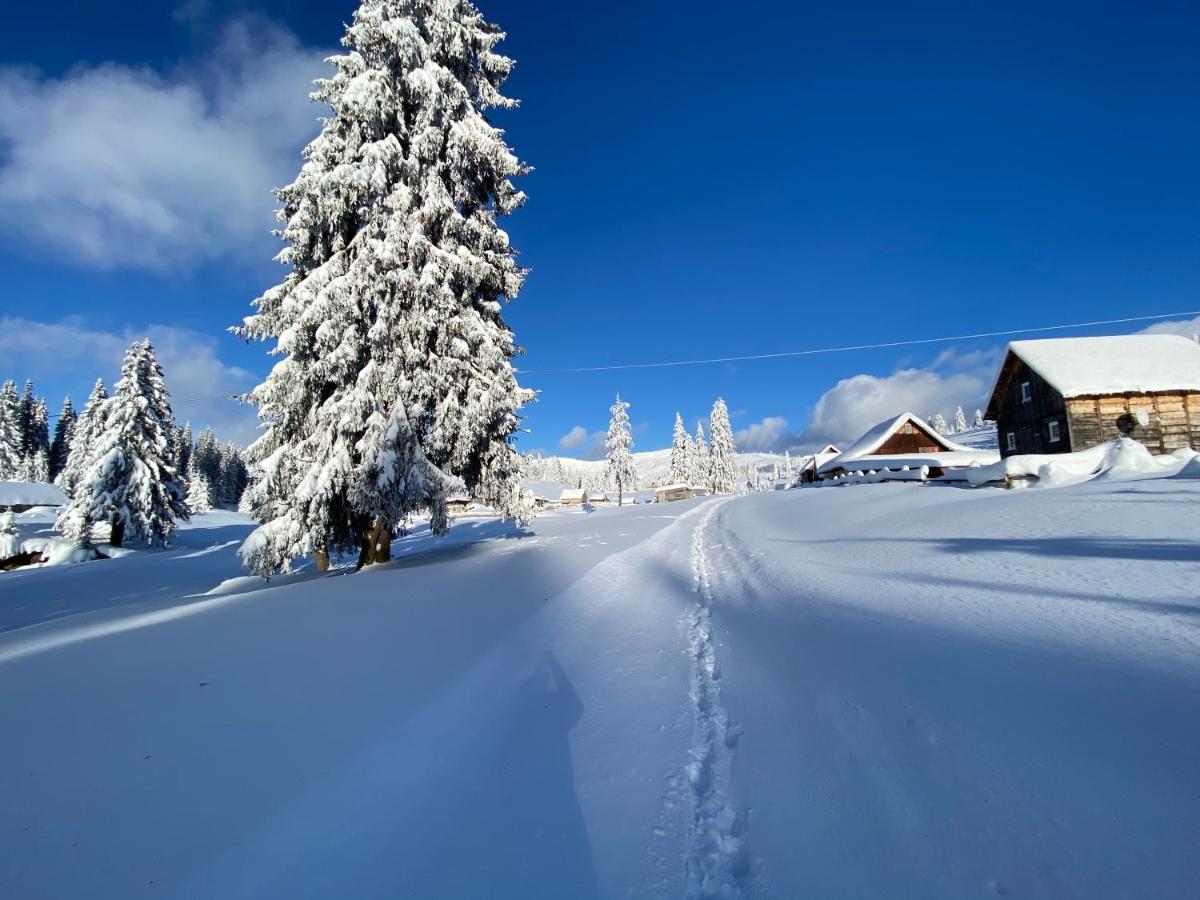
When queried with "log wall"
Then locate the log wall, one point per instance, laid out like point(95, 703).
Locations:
point(1174, 420)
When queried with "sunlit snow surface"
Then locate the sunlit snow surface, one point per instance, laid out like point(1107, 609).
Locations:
point(888, 690)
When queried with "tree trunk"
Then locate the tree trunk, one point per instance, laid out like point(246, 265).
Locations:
point(322, 560)
point(117, 538)
point(376, 544)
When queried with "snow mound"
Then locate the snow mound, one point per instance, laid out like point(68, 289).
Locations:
point(24, 493)
point(1121, 460)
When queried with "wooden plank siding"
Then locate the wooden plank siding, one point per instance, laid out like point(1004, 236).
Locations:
point(1029, 420)
point(1174, 420)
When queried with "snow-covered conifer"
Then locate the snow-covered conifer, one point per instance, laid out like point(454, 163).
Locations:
point(700, 460)
point(680, 470)
point(979, 422)
point(620, 461)
point(206, 456)
point(12, 436)
point(129, 480)
point(10, 543)
point(83, 438)
point(199, 495)
point(28, 400)
point(60, 447)
point(787, 465)
point(395, 385)
point(960, 421)
point(938, 424)
point(722, 462)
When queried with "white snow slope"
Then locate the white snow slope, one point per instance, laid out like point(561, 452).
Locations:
point(878, 691)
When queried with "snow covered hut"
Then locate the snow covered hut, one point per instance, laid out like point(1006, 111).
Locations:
point(1062, 395)
point(669, 492)
point(905, 441)
point(810, 464)
point(573, 497)
point(599, 497)
point(19, 496)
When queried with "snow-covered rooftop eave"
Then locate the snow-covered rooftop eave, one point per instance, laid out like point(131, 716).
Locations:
point(948, 460)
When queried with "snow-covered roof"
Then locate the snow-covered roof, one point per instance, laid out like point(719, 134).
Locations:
point(663, 488)
point(23, 493)
point(572, 494)
point(863, 453)
point(1130, 363)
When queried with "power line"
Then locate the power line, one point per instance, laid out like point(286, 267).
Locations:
point(906, 343)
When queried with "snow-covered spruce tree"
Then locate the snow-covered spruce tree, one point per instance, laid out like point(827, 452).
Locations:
point(10, 541)
point(700, 462)
point(722, 465)
point(207, 456)
point(28, 401)
point(60, 446)
point(979, 422)
point(395, 385)
point(938, 423)
point(83, 438)
point(129, 480)
point(787, 465)
point(679, 452)
point(621, 471)
point(960, 421)
point(199, 495)
point(12, 437)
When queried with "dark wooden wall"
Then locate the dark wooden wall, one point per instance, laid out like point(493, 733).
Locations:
point(1030, 421)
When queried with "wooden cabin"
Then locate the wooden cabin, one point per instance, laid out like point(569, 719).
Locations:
point(671, 492)
point(810, 464)
point(904, 444)
point(573, 497)
point(456, 506)
point(598, 497)
point(1066, 394)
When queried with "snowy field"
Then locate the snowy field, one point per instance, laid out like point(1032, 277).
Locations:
point(884, 690)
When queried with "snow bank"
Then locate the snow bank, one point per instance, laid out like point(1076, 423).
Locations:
point(24, 493)
point(1122, 459)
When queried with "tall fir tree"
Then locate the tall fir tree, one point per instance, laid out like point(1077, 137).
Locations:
point(618, 442)
point(679, 452)
point(183, 449)
point(83, 439)
point(960, 421)
point(700, 461)
point(130, 481)
point(12, 435)
point(37, 439)
point(395, 385)
point(64, 431)
point(28, 401)
point(199, 495)
point(206, 456)
point(722, 461)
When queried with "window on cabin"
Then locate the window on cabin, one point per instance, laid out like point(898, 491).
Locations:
point(1026, 391)
point(908, 429)
point(1011, 440)
point(1055, 437)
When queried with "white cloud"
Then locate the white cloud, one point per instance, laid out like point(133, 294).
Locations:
point(573, 438)
point(116, 167)
point(854, 404)
point(770, 435)
point(71, 350)
point(1186, 327)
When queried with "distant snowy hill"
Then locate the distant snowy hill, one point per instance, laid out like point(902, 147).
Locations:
point(979, 438)
point(653, 466)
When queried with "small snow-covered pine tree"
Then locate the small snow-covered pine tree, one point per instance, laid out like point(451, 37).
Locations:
point(12, 436)
point(60, 447)
point(130, 481)
point(787, 465)
point(199, 495)
point(621, 471)
point(679, 452)
point(979, 422)
point(83, 439)
point(395, 385)
point(700, 461)
point(960, 421)
point(938, 423)
point(723, 461)
point(10, 543)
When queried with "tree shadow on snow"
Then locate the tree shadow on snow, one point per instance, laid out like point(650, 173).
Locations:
point(1064, 547)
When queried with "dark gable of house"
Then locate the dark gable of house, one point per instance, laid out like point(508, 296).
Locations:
point(1028, 412)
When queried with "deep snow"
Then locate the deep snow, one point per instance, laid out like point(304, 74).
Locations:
point(881, 690)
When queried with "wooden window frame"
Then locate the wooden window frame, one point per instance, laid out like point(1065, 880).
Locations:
point(1010, 441)
point(1055, 431)
point(1026, 391)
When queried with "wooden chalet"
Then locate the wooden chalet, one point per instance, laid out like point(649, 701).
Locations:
point(810, 464)
point(573, 497)
point(905, 444)
point(669, 492)
point(1066, 394)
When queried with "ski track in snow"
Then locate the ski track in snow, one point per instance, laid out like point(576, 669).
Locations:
point(717, 860)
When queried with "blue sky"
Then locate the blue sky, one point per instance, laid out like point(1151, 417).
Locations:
point(710, 181)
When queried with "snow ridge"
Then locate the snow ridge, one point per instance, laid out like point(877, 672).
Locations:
point(717, 854)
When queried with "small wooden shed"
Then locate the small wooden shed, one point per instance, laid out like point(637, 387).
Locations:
point(1066, 394)
point(669, 492)
point(573, 497)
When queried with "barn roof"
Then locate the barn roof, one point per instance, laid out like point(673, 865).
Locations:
point(1098, 366)
point(863, 451)
point(572, 494)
